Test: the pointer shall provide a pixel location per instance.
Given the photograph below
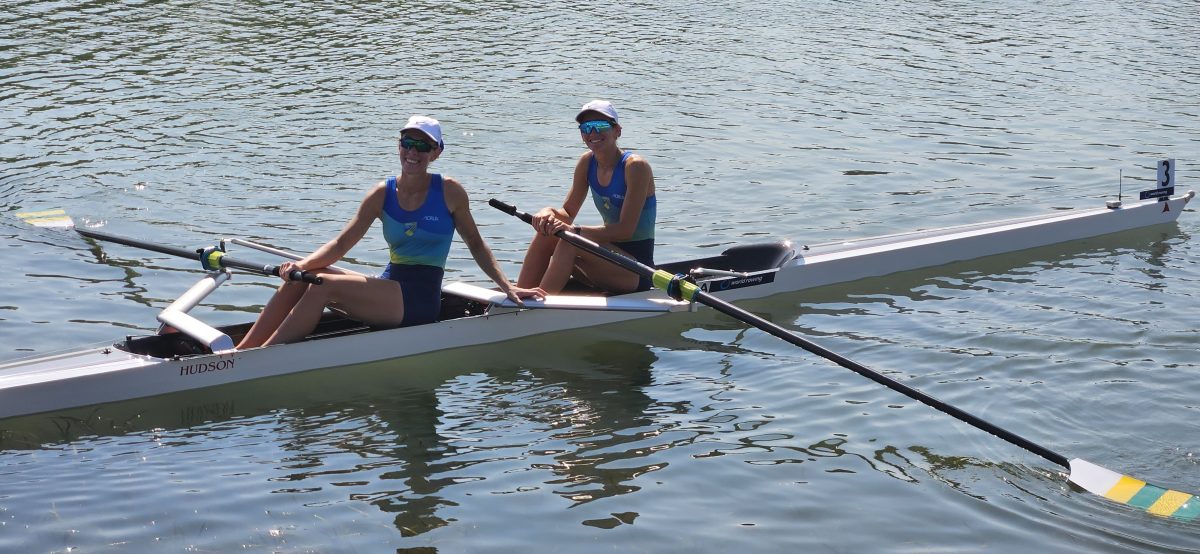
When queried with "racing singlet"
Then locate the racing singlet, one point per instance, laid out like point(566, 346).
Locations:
point(610, 199)
point(421, 236)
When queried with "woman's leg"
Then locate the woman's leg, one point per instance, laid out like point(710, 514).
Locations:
point(605, 275)
point(559, 268)
point(368, 299)
point(537, 259)
point(278, 307)
point(591, 269)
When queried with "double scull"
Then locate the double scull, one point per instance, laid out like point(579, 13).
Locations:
point(189, 354)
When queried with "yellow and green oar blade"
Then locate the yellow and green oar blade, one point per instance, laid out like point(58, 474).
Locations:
point(47, 218)
point(1134, 492)
point(1093, 478)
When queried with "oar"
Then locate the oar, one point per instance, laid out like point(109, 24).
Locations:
point(1093, 478)
point(210, 258)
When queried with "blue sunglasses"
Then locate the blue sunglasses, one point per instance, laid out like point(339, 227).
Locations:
point(589, 127)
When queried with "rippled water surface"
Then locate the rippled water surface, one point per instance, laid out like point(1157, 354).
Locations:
point(183, 122)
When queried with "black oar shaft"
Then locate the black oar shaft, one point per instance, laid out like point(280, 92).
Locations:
point(967, 417)
point(222, 260)
point(160, 248)
point(764, 325)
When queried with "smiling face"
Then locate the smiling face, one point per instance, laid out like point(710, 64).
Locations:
point(598, 131)
point(417, 151)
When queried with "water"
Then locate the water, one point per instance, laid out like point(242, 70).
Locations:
point(183, 122)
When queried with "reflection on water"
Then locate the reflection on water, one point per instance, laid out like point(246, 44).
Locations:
point(415, 449)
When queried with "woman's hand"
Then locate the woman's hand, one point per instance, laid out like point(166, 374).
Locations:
point(286, 269)
point(548, 221)
point(517, 293)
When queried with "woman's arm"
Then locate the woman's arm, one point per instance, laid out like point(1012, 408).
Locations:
point(332, 251)
point(464, 223)
point(549, 220)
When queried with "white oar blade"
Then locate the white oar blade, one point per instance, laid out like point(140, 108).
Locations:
point(1134, 492)
point(48, 218)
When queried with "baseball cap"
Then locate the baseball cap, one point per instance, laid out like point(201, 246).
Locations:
point(603, 107)
point(427, 125)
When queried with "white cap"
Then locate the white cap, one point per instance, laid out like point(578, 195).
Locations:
point(427, 125)
point(603, 107)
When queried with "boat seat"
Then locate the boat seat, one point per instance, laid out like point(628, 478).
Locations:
point(742, 258)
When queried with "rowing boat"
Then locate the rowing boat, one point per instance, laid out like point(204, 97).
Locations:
point(189, 354)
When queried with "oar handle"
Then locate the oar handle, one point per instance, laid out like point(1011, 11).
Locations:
point(295, 275)
point(305, 276)
point(510, 210)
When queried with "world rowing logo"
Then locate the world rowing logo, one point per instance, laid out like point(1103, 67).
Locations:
point(410, 229)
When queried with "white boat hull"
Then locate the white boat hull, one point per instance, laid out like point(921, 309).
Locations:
point(850, 261)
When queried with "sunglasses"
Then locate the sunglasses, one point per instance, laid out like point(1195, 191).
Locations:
point(422, 146)
point(589, 127)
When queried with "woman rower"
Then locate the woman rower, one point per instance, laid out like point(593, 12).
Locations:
point(420, 213)
point(622, 188)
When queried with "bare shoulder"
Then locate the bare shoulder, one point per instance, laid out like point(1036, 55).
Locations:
point(584, 159)
point(637, 168)
point(636, 160)
point(451, 186)
point(372, 203)
point(377, 192)
point(579, 179)
point(454, 192)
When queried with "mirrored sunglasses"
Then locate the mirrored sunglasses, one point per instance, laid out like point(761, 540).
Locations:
point(589, 127)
